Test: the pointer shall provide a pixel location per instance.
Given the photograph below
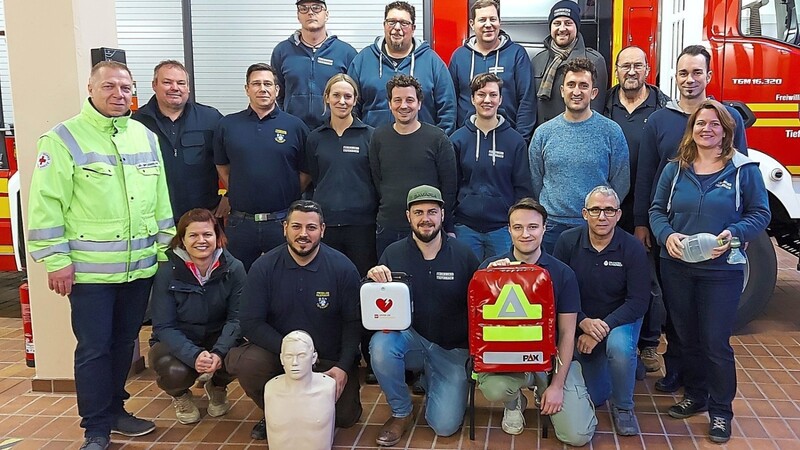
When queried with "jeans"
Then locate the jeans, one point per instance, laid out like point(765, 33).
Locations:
point(445, 377)
point(484, 245)
point(385, 237)
point(357, 242)
point(610, 370)
point(176, 378)
point(551, 234)
point(106, 319)
point(248, 239)
point(656, 315)
point(702, 304)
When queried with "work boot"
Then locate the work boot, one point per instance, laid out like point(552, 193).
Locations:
point(650, 359)
point(129, 425)
point(394, 429)
point(218, 403)
point(513, 419)
point(185, 409)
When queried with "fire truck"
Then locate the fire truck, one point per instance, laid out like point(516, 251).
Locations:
point(755, 51)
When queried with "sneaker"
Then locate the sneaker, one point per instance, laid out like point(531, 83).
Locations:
point(513, 419)
point(687, 408)
point(95, 443)
point(129, 425)
point(650, 359)
point(185, 409)
point(218, 403)
point(624, 421)
point(259, 432)
point(720, 430)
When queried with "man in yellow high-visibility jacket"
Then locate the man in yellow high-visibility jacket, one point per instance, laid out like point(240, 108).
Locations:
point(99, 218)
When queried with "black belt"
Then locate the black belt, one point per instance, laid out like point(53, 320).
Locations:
point(260, 217)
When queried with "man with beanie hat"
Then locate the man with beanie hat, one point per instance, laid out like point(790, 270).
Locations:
point(564, 43)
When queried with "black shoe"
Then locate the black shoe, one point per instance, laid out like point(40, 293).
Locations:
point(96, 443)
point(370, 377)
point(259, 432)
point(129, 425)
point(670, 383)
point(687, 408)
point(719, 430)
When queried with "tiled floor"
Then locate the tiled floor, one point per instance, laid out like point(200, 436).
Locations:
point(767, 406)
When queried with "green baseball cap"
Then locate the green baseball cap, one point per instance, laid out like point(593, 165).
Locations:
point(424, 193)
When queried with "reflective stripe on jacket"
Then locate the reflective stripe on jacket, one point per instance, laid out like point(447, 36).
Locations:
point(99, 199)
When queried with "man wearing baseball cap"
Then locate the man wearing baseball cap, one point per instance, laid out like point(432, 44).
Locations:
point(564, 43)
point(440, 268)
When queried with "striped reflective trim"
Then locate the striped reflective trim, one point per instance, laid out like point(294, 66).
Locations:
point(163, 238)
point(512, 334)
point(151, 137)
point(133, 159)
point(48, 251)
point(144, 263)
point(81, 158)
point(41, 234)
point(112, 246)
point(166, 223)
point(86, 267)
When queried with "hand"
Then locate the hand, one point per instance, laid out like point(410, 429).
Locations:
point(381, 274)
point(204, 362)
point(725, 236)
point(595, 328)
point(674, 245)
point(61, 280)
point(500, 263)
point(643, 235)
point(340, 376)
point(217, 362)
point(223, 208)
point(586, 343)
point(552, 400)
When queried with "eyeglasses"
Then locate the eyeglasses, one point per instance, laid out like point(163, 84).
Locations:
point(317, 8)
point(637, 67)
point(391, 23)
point(595, 212)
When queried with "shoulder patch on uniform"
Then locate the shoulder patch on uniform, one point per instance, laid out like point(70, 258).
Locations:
point(43, 160)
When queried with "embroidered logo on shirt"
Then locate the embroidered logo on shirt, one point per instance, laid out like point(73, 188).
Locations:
point(446, 276)
point(326, 61)
point(496, 153)
point(612, 263)
point(724, 184)
point(496, 70)
point(280, 136)
point(351, 149)
point(43, 160)
point(322, 299)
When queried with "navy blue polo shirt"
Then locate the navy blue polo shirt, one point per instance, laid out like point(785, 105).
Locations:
point(438, 288)
point(615, 282)
point(632, 125)
point(565, 286)
point(320, 298)
point(265, 157)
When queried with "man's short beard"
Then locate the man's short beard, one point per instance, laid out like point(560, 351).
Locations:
point(426, 239)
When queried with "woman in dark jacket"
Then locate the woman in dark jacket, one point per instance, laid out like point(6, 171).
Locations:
point(195, 306)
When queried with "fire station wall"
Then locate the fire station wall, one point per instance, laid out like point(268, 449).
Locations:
point(49, 46)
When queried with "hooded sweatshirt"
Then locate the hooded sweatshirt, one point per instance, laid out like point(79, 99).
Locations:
point(510, 62)
point(736, 200)
point(493, 173)
point(661, 137)
point(372, 68)
point(304, 71)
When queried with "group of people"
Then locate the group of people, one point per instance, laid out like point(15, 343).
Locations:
point(412, 168)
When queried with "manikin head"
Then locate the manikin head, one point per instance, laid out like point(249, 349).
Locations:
point(298, 355)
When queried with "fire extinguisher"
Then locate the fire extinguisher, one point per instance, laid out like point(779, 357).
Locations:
point(27, 325)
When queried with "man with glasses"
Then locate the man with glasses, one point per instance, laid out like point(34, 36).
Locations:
point(576, 151)
point(260, 157)
point(613, 276)
point(629, 103)
point(397, 52)
point(306, 61)
point(301, 285)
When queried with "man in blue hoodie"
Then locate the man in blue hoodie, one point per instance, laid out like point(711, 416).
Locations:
point(306, 61)
point(491, 50)
point(397, 53)
point(493, 171)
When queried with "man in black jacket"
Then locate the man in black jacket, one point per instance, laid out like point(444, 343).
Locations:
point(185, 133)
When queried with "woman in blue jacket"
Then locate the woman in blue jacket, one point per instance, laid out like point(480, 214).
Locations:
point(195, 304)
point(708, 188)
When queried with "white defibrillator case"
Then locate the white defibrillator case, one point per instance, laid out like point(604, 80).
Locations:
point(386, 306)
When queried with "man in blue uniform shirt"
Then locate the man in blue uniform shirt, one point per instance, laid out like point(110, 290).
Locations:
point(614, 279)
point(260, 157)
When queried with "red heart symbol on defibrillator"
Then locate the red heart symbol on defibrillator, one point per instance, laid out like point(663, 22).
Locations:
point(384, 304)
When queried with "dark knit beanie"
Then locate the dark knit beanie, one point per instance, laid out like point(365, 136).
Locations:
point(566, 8)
